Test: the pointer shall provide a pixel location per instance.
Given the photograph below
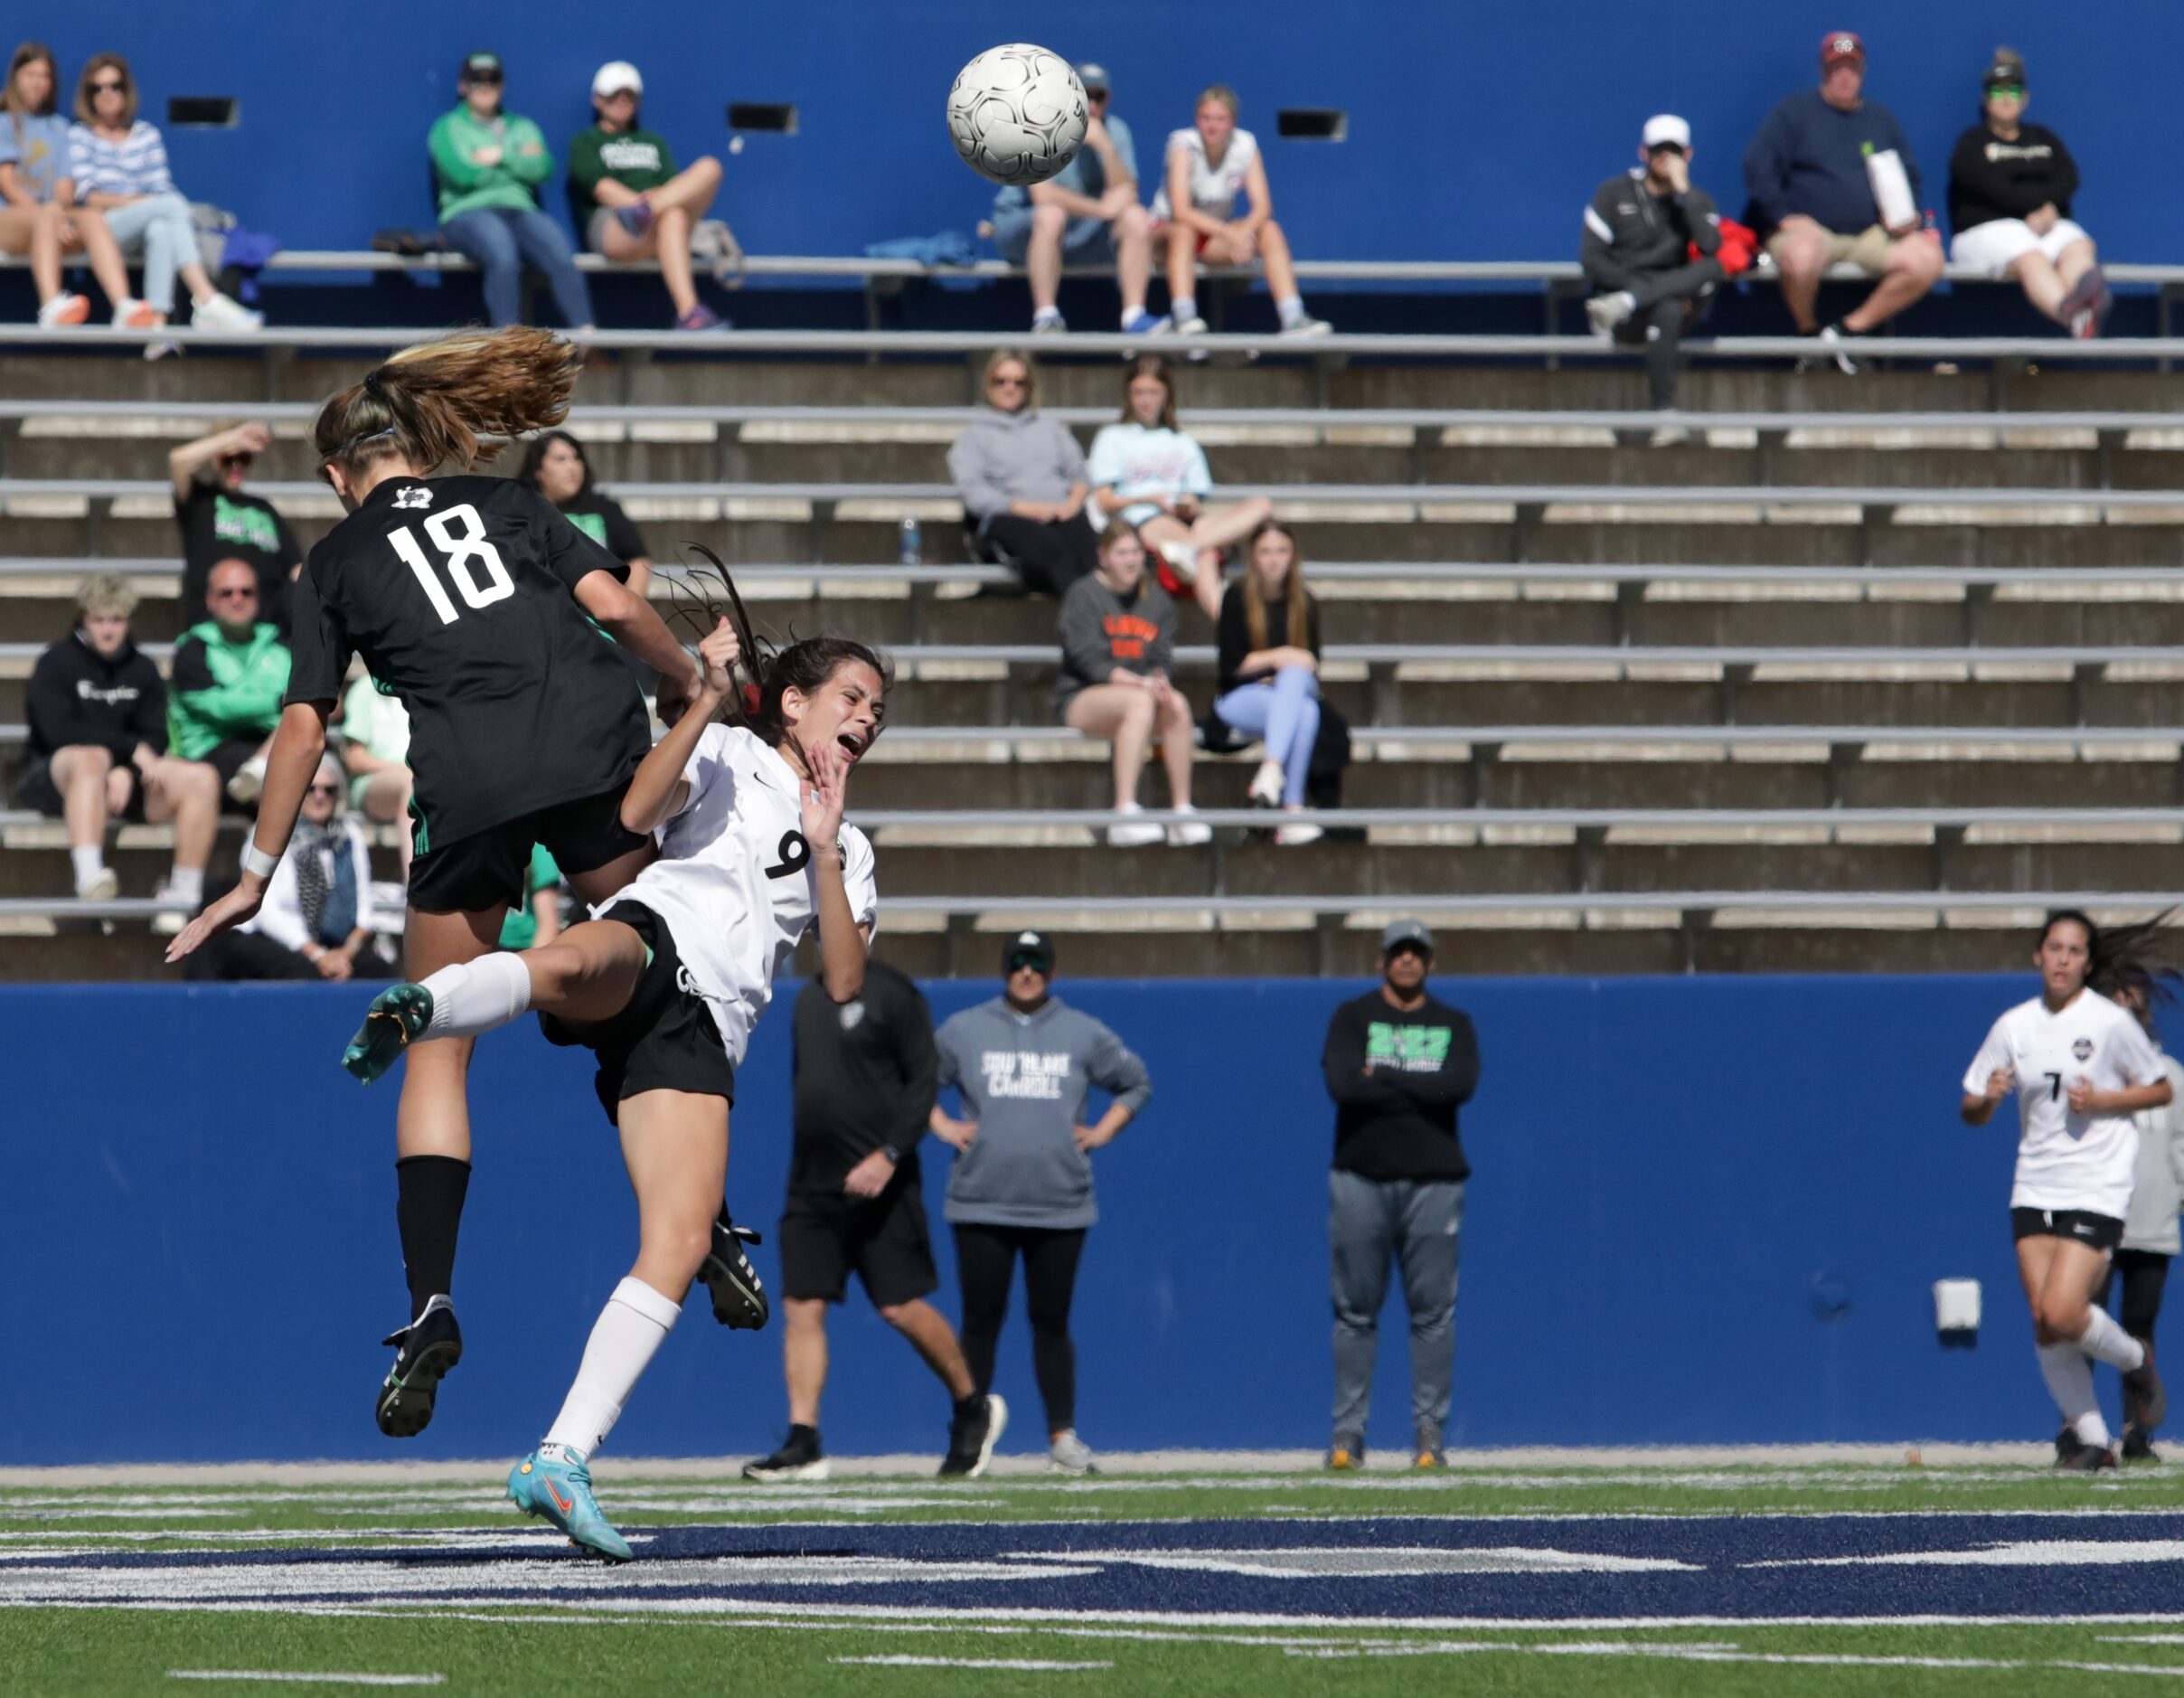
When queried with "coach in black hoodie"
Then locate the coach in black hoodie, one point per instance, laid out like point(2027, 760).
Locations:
point(98, 727)
point(2010, 189)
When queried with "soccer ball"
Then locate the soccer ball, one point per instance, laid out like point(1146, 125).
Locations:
point(1017, 113)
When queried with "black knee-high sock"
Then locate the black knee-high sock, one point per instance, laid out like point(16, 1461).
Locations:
point(429, 1209)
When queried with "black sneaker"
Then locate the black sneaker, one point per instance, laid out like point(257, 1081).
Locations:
point(2135, 1448)
point(425, 1350)
point(972, 1436)
point(2087, 1459)
point(2146, 1401)
point(2067, 1443)
point(738, 1294)
point(799, 1458)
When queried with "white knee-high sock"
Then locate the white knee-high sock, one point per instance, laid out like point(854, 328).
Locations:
point(474, 997)
point(2069, 1378)
point(2105, 1341)
point(634, 1324)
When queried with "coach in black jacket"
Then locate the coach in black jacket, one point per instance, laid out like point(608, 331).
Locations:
point(98, 737)
point(1639, 234)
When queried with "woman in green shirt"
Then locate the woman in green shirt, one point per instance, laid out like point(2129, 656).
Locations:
point(486, 167)
point(628, 199)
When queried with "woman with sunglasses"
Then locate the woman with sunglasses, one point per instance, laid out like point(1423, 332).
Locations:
point(2010, 189)
point(119, 164)
point(316, 921)
point(38, 211)
point(220, 520)
point(484, 610)
point(1022, 480)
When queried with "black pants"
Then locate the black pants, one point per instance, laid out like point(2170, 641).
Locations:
point(2145, 1272)
point(985, 1261)
point(244, 955)
point(1048, 557)
point(1669, 303)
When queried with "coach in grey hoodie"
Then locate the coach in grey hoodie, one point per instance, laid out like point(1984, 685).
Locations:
point(1023, 1185)
point(1022, 480)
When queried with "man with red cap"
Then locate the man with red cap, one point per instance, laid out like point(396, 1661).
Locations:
point(1811, 171)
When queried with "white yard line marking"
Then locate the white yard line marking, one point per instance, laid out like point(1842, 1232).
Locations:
point(304, 1679)
point(1019, 1662)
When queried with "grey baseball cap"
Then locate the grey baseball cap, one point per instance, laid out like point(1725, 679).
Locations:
point(1092, 76)
point(1402, 932)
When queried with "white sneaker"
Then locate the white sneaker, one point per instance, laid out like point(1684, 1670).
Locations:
point(249, 780)
point(174, 909)
point(135, 315)
point(1183, 560)
point(1307, 326)
point(1070, 1454)
point(1189, 833)
point(218, 311)
point(1295, 837)
point(1128, 832)
point(65, 308)
point(1191, 327)
point(102, 886)
point(1669, 437)
point(162, 350)
point(1048, 325)
point(1266, 789)
point(1607, 311)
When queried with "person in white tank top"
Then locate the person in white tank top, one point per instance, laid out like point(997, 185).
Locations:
point(1209, 167)
point(2080, 1068)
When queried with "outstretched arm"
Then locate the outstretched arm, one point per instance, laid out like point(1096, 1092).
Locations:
point(297, 746)
point(629, 618)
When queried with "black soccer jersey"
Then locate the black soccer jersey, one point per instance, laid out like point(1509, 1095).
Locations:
point(457, 591)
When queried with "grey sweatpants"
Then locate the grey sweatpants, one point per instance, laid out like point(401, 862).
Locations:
point(1368, 1221)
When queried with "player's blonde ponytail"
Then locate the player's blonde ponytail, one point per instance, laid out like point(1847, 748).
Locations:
point(428, 405)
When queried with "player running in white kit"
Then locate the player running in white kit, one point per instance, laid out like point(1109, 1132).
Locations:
point(665, 984)
point(2080, 1066)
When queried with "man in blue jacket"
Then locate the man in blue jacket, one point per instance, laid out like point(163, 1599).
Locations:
point(1812, 201)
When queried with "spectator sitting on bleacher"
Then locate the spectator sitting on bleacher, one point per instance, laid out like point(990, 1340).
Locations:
point(1089, 215)
point(1639, 234)
point(1117, 638)
point(628, 200)
point(231, 672)
point(97, 712)
point(2010, 189)
point(1813, 202)
point(1269, 683)
point(38, 213)
point(536, 921)
point(219, 522)
point(556, 465)
point(315, 921)
point(1154, 478)
point(375, 753)
point(1207, 167)
point(487, 166)
point(1022, 480)
point(119, 166)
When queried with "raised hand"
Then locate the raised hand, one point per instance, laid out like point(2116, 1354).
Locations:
point(231, 910)
point(719, 651)
point(824, 793)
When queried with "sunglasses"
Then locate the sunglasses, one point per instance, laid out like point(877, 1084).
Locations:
point(1018, 962)
point(1005, 382)
point(235, 595)
point(324, 789)
point(1095, 94)
point(2006, 90)
point(108, 88)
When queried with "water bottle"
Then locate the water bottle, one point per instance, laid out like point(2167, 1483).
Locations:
point(910, 542)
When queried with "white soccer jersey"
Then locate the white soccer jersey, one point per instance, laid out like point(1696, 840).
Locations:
point(735, 882)
point(1213, 188)
point(2067, 1160)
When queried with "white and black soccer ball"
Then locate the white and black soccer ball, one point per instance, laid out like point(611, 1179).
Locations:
point(1017, 113)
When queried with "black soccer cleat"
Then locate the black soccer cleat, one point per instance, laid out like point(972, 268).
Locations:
point(738, 1294)
point(425, 1350)
point(972, 1437)
point(2135, 1448)
point(2067, 1443)
point(800, 1457)
point(2087, 1459)
point(2146, 1401)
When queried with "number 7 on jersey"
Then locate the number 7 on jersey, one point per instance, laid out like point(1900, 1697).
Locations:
point(460, 553)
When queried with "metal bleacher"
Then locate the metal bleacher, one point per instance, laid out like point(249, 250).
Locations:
point(1863, 675)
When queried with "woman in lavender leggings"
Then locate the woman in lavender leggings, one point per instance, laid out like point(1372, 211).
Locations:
point(1270, 670)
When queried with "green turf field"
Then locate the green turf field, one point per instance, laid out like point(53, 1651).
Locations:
point(1603, 1579)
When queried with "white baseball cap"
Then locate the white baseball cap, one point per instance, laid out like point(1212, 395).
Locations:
point(1661, 131)
point(614, 76)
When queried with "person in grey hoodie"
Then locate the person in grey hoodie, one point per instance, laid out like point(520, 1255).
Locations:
point(1023, 1064)
point(1022, 477)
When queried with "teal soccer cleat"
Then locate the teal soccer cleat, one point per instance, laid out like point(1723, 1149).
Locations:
point(560, 1492)
point(392, 1025)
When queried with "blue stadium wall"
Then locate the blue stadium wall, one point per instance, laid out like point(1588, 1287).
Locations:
point(1474, 131)
point(1704, 1209)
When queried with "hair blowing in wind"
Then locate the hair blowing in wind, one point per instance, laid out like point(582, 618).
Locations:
point(429, 405)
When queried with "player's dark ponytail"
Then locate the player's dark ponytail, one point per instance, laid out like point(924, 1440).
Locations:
point(2127, 958)
point(429, 405)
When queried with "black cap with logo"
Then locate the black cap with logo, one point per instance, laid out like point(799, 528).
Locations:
point(1028, 948)
point(480, 68)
